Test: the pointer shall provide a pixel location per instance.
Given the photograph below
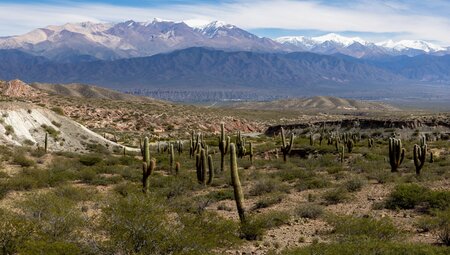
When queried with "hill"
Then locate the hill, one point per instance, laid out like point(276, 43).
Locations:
point(319, 103)
point(85, 91)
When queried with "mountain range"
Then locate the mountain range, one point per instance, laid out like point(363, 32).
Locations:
point(87, 41)
point(219, 61)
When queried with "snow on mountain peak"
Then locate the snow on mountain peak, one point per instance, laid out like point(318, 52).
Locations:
point(332, 37)
point(411, 44)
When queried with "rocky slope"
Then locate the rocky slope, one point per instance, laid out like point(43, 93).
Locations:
point(26, 124)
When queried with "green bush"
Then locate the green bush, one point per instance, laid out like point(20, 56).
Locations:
point(39, 247)
point(90, 160)
point(14, 230)
point(408, 196)
point(265, 186)
point(309, 211)
point(55, 217)
point(269, 200)
point(369, 247)
point(255, 225)
point(354, 185)
point(312, 183)
point(352, 228)
point(22, 160)
point(335, 196)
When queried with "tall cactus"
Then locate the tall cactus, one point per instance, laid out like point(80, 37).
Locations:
point(370, 142)
point(177, 168)
point(211, 170)
point(286, 147)
point(146, 151)
point(46, 142)
point(202, 164)
point(342, 154)
point(396, 153)
point(311, 139)
point(238, 193)
point(350, 144)
point(224, 144)
point(240, 145)
point(250, 153)
point(419, 153)
point(171, 158)
point(147, 170)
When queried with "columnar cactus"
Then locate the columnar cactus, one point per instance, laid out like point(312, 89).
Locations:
point(250, 153)
point(238, 193)
point(146, 151)
point(311, 139)
point(370, 142)
point(420, 153)
point(46, 143)
point(240, 145)
point(202, 164)
point(396, 153)
point(147, 170)
point(431, 157)
point(350, 144)
point(286, 147)
point(177, 168)
point(224, 144)
point(342, 154)
point(171, 158)
point(211, 170)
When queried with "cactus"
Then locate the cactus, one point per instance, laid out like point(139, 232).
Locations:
point(311, 139)
point(223, 146)
point(396, 153)
point(350, 144)
point(171, 158)
point(342, 154)
point(240, 145)
point(146, 151)
point(419, 154)
point(286, 147)
point(250, 153)
point(147, 170)
point(198, 166)
point(124, 150)
point(370, 143)
point(238, 193)
point(211, 170)
point(177, 168)
point(46, 143)
point(431, 157)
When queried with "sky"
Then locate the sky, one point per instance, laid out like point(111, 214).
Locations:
point(373, 20)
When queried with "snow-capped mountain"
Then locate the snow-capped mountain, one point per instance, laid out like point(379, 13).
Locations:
point(411, 45)
point(132, 39)
point(74, 42)
point(357, 47)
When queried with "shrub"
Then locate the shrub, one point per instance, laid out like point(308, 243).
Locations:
point(269, 200)
point(90, 160)
point(265, 186)
point(335, 196)
point(14, 230)
point(58, 110)
point(369, 247)
point(309, 211)
point(256, 225)
point(352, 228)
point(312, 183)
point(408, 196)
point(354, 185)
point(22, 160)
point(56, 217)
point(38, 247)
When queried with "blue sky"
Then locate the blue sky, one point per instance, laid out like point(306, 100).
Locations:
point(370, 19)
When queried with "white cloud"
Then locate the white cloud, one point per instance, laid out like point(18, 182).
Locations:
point(365, 16)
